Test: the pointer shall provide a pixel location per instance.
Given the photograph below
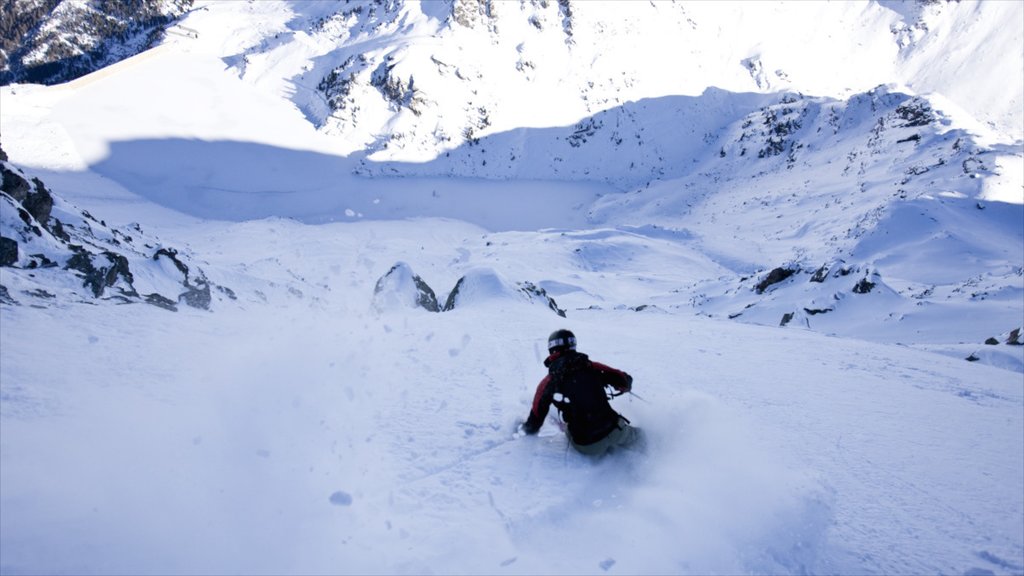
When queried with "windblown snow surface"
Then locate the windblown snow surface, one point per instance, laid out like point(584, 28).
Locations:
point(316, 421)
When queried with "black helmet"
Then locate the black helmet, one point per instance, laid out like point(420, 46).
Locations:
point(561, 340)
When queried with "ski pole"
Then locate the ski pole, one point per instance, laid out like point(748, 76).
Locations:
point(637, 396)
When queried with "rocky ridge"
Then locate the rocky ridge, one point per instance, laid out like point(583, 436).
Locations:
point(53, 253)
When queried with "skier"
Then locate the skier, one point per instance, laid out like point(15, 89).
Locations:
point(576, 386)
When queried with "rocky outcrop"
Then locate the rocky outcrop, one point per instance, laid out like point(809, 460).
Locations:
point(8, 251)
point(400, 287)
point(864, 286)
point(776, 276)
point(98, 276)
point(54, 252)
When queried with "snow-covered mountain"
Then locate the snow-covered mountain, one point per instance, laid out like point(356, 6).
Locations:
point(794, 223)
point(880, 153)
point(407, 80)
point(53, 41)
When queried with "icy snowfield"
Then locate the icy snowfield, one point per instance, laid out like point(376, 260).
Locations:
point(307, 425)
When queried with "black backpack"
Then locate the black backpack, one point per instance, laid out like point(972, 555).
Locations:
point(581, 400)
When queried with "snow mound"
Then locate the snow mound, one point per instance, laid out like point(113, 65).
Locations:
point(484, 285)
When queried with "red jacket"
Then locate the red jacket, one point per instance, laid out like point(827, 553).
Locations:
point(576, 386)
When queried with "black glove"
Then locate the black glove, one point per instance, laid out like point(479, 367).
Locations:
point(528, 427)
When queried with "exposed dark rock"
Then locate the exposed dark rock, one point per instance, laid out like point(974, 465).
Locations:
point(3, 155)
point(786, 318)
point(453, 296)
point(29, 222)
point(59, 231)
point(1014, 339)
point(5, 296)
point(425, 297)
point(398, 279)
point(14, 184)
point(39, 203)
point(83, 263)
point(40, 293)
point(162, 302)
point(539, 292)
point(992, 341)
point(40, 261)
point(815, 311)
point(8, 251)
point(915, 112)
point(864, 286)
point(228, 292)
point(197, 296)
point(173, 255)
point(197, 293)
point(566, 11)
point(99, 278)
point(119, 267)
point(774, 277)
point(972, 358)
point(821, 274)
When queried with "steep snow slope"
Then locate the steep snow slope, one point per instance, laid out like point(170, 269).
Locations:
point(312, 434)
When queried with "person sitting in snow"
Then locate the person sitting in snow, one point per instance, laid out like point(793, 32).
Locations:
point(576, 386)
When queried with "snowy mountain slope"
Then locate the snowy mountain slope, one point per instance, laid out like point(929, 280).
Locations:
point(53, 41)
point(856, 182)
point(686, 162)
point(408, 80)
point(320, 423)
point(876, 187)
point(915, 171)
point(316, 435)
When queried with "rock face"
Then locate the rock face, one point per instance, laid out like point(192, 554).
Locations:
point(400, 287)
point(99, 275)
point(863, 286)
point(8, 251)
point(53, 252)
point(774, 277)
